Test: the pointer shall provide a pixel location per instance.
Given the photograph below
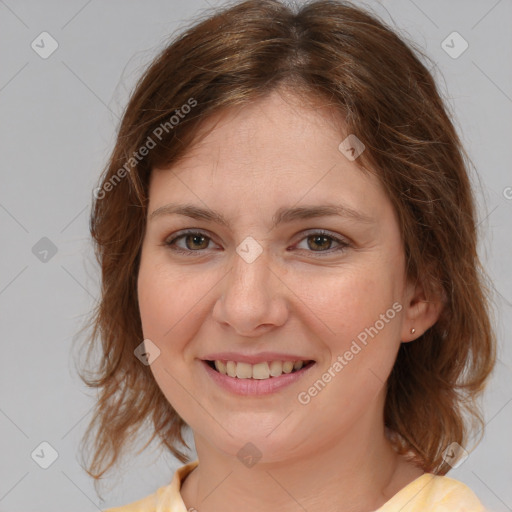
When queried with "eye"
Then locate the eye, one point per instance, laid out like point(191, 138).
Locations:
point(321, 241)
point(194, 241)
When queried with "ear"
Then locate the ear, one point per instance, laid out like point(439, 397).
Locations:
point(419, 313)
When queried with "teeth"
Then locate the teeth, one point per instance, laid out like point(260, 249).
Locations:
point(231, 368)
point(221, 367)
point(287, 366)
point(243, 370)
point(258, 371)
point(276, 368)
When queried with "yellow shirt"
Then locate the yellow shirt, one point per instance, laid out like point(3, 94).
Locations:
point(427, 493)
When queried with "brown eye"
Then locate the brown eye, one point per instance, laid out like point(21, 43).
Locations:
point(197, 241)
point(319, 241)
point(194, 242)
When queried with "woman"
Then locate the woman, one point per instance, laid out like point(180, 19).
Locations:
point(286, 232)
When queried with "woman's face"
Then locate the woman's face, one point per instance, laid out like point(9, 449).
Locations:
point(329, 289)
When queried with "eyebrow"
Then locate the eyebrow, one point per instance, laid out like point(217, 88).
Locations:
point(282, 215)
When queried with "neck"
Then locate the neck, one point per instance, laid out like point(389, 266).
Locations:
point(356, 471)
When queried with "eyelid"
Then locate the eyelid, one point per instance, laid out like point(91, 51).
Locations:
point(188, 231)
point(342, 241)
point(170, 242)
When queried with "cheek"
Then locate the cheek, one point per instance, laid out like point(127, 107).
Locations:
point(349, 300)
point(167, 311)
point(358, 320)
point(161, 300)
point(171, 304)
point(152, 301)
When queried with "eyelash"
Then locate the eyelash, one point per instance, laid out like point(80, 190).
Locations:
point(172, 246)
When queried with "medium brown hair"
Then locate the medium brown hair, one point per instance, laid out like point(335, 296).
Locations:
point(376, 83)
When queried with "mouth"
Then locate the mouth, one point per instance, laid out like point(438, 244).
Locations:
point(260, 371)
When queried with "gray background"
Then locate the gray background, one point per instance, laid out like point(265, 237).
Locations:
point(59, 117)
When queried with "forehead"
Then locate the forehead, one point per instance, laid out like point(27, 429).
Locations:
point(275, 150)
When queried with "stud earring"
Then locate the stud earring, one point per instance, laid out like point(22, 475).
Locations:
point(413, 330)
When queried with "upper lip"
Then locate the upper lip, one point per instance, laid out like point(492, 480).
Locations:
point(253, 358)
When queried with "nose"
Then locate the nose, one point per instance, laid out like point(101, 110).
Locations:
point(253, 297)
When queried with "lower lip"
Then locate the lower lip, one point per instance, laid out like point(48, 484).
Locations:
point(256, 386)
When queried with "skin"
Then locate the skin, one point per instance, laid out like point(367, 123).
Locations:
point(331, 454)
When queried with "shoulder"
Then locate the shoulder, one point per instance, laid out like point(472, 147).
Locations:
point(448, 493)
point(147, 504)
point(434, 493)
point(166, 498)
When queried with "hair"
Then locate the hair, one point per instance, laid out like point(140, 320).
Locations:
point(376, 83)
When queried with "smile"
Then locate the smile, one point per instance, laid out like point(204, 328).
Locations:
point(260, 371)
point(256, 379)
